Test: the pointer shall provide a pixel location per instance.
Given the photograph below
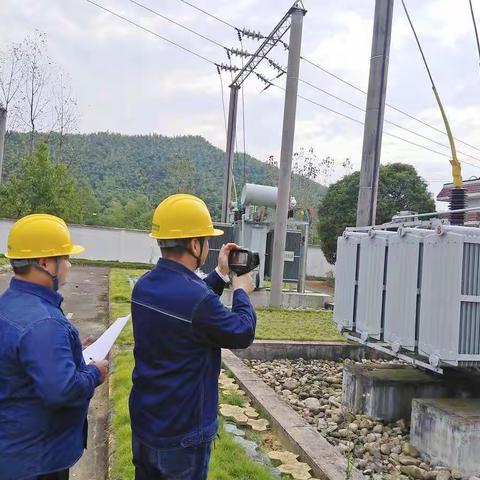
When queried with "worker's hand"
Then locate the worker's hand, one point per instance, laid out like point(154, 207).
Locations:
point(245, 282)
point(87, 341)
point(102, 366)
point(223, 257)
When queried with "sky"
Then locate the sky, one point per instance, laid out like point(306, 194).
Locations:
point(129, 81)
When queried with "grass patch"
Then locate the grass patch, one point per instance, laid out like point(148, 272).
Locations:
point(231, 399)
point(120, 384)
point(120, 294)
point(230, 462)
point(273, 324)
point(285, 285)
point(111, 264)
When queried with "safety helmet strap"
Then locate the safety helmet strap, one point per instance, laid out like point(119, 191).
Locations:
point(34, 263)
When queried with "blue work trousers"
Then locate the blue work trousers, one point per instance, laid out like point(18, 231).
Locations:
point(171, 463)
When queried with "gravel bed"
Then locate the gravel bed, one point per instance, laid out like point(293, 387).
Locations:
point(380, 450)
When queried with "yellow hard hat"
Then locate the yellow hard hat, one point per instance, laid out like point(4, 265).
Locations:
point(38, 236)
point(182, 216)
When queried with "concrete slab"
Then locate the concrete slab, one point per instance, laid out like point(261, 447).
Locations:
point(447, 432)
point(86, 297)
point(261, 298)
point(387, 392)
point(326, 461)
point(267, 350)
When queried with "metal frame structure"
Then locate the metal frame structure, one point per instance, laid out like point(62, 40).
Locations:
point(261, 53)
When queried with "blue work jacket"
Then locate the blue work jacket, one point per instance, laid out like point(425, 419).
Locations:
point(179, 326)
point(45, 386)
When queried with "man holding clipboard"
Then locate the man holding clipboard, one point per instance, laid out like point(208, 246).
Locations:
point(45, 385)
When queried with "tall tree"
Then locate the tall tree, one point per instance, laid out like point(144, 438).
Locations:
point(11, 82)
point(65, 112)
point(38, 71)
point(400, 188)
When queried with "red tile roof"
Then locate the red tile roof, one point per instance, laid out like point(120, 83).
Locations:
point(472, 186)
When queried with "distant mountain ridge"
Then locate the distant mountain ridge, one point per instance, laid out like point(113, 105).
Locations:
point(118, 167)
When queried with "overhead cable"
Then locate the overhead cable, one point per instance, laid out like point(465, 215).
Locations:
point(475, 28)
point(338, 77)
point(150, 31)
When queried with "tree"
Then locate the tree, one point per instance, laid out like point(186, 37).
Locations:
point(135, 213)
point(41, 186)
point(11, 81)
point(181, 176)
point(37, 75)
point(399, 188)
point(65, 112)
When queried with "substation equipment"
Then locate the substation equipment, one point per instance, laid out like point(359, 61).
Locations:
point(412, 289)
point(251, 225)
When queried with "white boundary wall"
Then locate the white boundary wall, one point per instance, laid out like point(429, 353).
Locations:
point(105, 243)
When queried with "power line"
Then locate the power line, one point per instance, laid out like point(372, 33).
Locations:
point(348, 117)
point(151, 32)
point(209, 14)
point(337, 77)
point(277, 67)
point(419, 46)
point(475, 27)
point(178, 24)
point(413, 132)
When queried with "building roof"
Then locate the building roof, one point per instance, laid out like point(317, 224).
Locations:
point(472, 186)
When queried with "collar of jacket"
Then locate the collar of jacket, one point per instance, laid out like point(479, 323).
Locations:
point(176, 267)
point(45, 293)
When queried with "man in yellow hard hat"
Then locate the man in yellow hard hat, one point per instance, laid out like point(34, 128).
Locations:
point(45, 385)
point(179, 326)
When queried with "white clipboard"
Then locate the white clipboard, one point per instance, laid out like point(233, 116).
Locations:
point(99, 349)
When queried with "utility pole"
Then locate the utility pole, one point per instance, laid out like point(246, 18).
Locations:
point(3, 130)
point(372, 134)
point(230, 150)
point(283, 196)
point(260, 54)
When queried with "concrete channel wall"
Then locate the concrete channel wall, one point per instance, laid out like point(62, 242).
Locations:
point(267, 350)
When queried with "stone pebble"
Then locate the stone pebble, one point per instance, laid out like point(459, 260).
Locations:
point(381, 451)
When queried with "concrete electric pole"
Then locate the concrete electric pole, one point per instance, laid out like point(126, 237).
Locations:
point(3, 130)
point(372, 135)
point(283, 200)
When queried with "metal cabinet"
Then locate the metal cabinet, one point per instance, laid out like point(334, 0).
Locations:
point(449, 331)
point(403, 288)
point(372, 284)
point(346, 279)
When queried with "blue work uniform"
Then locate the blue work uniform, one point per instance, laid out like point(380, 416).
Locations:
point(45, 385)
point(179, 326)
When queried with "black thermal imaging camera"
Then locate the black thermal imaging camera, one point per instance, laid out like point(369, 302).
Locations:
point(242, 261)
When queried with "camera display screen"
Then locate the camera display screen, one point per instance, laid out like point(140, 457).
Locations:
point(240, 258)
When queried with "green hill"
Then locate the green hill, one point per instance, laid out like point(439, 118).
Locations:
point(118, 168)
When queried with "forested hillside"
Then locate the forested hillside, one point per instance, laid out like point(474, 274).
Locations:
point(128, 174)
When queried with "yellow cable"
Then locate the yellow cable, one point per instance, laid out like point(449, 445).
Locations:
point(456, 167)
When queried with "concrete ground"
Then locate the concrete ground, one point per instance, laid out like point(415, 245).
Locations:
point(86, 297)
